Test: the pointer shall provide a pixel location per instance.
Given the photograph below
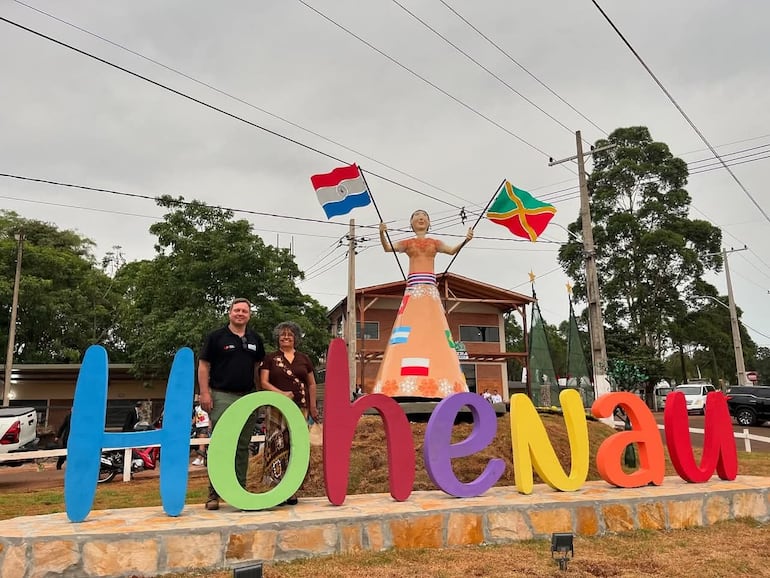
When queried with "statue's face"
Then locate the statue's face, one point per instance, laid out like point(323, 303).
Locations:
point(420, 221)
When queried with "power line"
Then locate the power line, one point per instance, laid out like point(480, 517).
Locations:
point(423, 79)
point(682, 112)
point(477, 63)
point(730, 154)
point(154, 199)
point(522, 67)
point(237, 99)
point(217, 109)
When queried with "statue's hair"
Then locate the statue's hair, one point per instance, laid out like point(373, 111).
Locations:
point(420, 211)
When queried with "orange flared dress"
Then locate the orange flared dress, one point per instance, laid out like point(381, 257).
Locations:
point(420, 359)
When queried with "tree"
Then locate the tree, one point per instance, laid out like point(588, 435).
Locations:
point(514, 342)
point(650, 255)
point(205, 259)
point(65, 299)
point(761, 364)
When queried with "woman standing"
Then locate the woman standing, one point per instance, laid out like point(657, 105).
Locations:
point(288, 372)
point(420, 359)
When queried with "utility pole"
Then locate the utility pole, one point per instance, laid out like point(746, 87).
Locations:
point(740, 365)
point(12, 327)
point(351, 309)
point(595, 318)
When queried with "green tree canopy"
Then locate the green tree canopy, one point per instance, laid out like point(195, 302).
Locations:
point(205, 259)
point(650, 255)
point(65, 299)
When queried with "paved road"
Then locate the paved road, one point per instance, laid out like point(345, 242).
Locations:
point(697, 422)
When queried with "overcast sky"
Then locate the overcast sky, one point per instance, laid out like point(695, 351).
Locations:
point(65, 117)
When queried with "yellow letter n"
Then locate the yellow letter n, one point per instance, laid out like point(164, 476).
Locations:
point(531, 445)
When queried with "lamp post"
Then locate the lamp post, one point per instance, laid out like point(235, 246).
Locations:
point(740, 365)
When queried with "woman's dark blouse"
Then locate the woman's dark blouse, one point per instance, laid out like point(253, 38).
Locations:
point(300, 367)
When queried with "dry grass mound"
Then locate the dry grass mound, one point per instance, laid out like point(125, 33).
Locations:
point(369, 462)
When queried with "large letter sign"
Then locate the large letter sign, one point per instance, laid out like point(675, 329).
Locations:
point(529, 441)
point(340, 419)
point(531, 446)
point(644, 433)
point(87, 436)
point(719, 451)
point(224, 441)
point(439, 450)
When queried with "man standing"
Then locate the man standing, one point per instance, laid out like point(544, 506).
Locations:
point(132, 417)
point(62, 436)
point(228, 369)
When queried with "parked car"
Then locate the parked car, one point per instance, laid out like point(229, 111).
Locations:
point(18, 431)
point(695, 394)
point(749, 404)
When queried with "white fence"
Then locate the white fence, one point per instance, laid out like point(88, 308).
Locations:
point(745, 435)
point(42, 454)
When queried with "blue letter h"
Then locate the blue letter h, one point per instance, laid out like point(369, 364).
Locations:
point(87, 436)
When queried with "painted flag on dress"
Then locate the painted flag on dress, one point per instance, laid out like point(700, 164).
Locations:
point(520, 213)
point(415, 366)
point(400, 334)
point(341, 190)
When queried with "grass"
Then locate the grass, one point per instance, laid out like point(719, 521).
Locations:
point(698, 551)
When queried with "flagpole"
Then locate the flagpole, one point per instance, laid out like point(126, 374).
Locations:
point(481, 215)
point(376, 208)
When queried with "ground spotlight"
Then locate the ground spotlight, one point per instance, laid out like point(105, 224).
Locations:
point(250, 571)
point(562, 548)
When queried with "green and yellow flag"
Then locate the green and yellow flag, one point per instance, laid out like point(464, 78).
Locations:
point(520, 213)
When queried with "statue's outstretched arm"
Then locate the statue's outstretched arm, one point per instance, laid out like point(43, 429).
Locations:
point(387, 246)
point(444, 248)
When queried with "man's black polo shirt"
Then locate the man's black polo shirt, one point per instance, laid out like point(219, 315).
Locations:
point(233, 359)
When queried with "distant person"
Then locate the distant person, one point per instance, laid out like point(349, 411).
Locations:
point(202, 423)
point(227, 370)
point(496, 397)
point(132, 417)
point(62, 436)
point(486, 395)
point(290, 373)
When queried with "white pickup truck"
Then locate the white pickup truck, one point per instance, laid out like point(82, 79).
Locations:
point(18, 432)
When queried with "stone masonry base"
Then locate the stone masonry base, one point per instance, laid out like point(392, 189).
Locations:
point(146, 542)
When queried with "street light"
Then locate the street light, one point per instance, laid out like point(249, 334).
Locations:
point(740, 366)
point(722, 303)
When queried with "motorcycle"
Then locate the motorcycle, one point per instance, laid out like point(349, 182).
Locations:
point(111, 464)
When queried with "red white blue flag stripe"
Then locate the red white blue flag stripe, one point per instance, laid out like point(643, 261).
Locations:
point(341, 190)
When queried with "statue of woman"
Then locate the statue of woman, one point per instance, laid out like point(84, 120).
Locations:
point(420, 359)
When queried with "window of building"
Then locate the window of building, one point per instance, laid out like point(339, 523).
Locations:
point(486, 333)
point(469, 371)
point(371, 330)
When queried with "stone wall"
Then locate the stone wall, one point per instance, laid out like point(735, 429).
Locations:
point(146, 542)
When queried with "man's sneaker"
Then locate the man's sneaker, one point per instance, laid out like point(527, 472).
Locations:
point(198, 462)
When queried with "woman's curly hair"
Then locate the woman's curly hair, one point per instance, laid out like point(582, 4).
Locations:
point(291, 326)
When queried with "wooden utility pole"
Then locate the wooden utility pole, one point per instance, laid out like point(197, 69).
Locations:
point(595, 317)
point(12, 327)
point(740, 364)
point(351, 309)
